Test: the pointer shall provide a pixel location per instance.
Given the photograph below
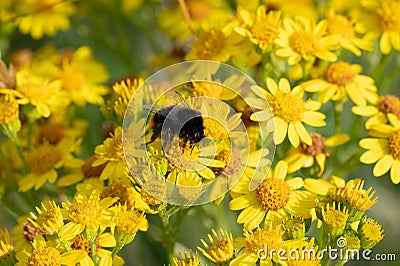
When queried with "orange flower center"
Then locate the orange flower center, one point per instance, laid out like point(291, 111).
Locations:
point(339, 73)
point(389, 15)
point(209, 44)
point(264, 32)
point(288, 106)
point(72, 78)
point(303, 43)
point(273, 194)
point(390, 104)
point(83, 212)
point(394, 144)
point(44, 159)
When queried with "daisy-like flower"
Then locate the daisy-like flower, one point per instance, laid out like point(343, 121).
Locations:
point(335, 217)
point(218, 44)
point(49, 218)
point(81, 76)
point(383, 20)
point(39, 18)
point(370, 232)
point(6, 246)
point(122, 92)
point(86, 212)
point(41, 92)
point(186, 259)
point(384, 148)
point(341, 79)
point(44, 253)
point(389, 104)
point(344, 30)
point(9, 109)
point(305, 155)
point(272, 199)
point(254, 243)
point(289, 112)
point(303, 39)
point(308, 251)
point(221, 249)
point(112, 153)
point(44, 161)
point(262, 28)
point(127, 223)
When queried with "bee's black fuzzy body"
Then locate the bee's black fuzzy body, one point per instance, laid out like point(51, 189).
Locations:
point(178, 121)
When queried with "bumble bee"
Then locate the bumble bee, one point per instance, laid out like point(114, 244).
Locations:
point(178, 120)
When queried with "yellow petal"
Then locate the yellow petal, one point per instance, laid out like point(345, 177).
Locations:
point(371, 156)
point(242, 201)
point(293, 137)
point(395, 172)
point(280, 170)
point(383, 165)
point(284, 85)
point(302, 133)
point(295, 183)
point(318, 186)
point(280, 130)
point(384, 43)
point(337, 140)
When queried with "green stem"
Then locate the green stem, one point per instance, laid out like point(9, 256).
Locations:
point(12, 207)
point(117, 248)
point(378, 71)
point(170, 230)
point(93, 247)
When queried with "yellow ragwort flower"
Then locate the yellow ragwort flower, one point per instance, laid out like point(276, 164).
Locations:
point(305, 155)
point(86, 212)
point(45, 254)
point(341, 79)
point(44, 161)
point(383, 20)
point(344, 30)
point(370, 232)
point(261, 28)
point(6, 246)
point(255, 241)
point(221, 249)
point(389, 104)
point(41, 92)
point(303, 39)
point(81, 76)
point(309, 255)
point(335, 217)
point(289, 111)
point(9, 109)
point(127, 222)
point(272, 198)
point(384, 148)
point(218, 44)
point(39, 18)
point(49, 218)
point(187, 260)
point(112, 153)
